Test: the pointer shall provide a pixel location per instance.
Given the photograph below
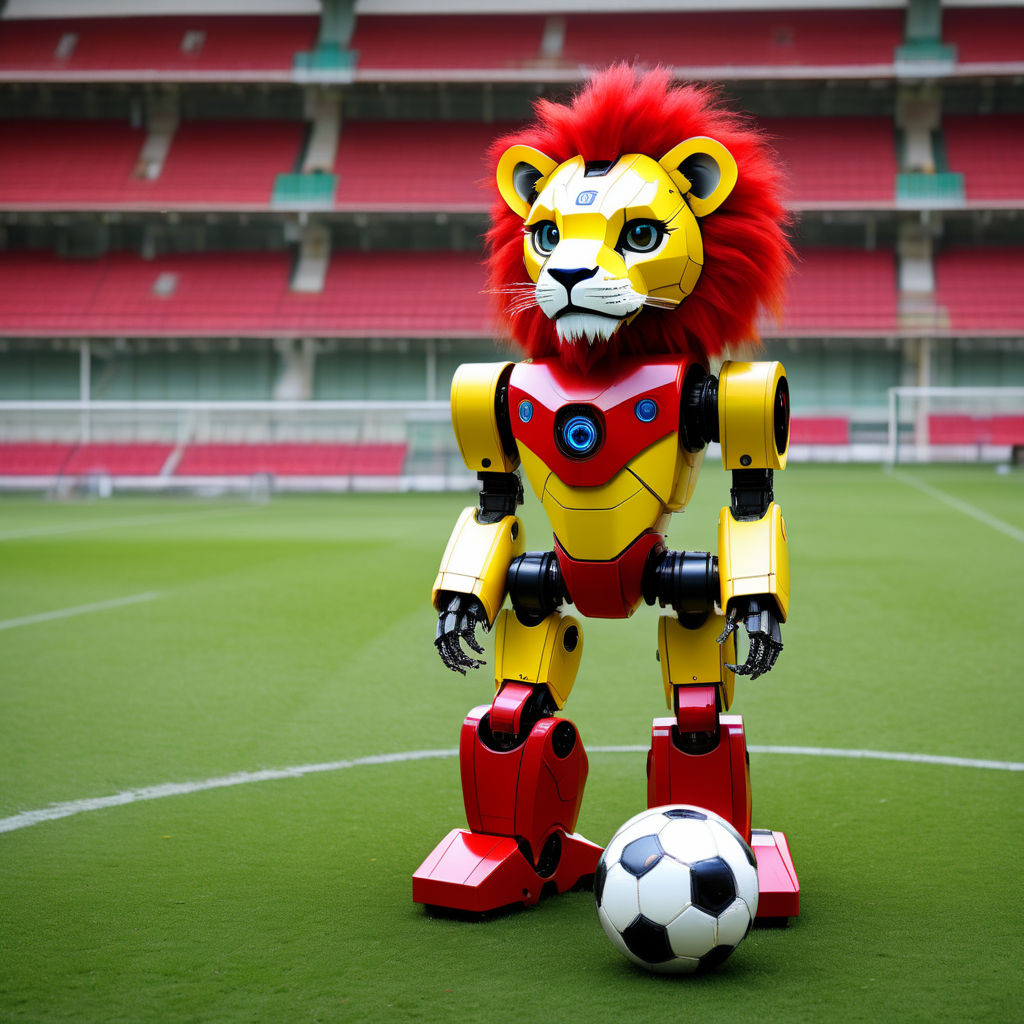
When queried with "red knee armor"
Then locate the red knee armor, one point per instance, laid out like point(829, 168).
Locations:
point(522, 805)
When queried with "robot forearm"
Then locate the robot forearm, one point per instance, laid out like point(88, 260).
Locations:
point(753, 559)
point(476, 561)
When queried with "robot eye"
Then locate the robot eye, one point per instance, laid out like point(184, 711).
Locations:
point(545, 237)
point(641, 236)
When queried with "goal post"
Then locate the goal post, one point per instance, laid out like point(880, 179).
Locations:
point(955, 424)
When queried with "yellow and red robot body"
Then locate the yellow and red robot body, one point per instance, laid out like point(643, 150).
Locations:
point(610, 455)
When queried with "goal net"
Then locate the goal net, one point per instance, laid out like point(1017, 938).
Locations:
point(210, 446)
point(955, 424)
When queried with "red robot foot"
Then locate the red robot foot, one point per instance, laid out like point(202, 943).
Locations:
point(522, 792)
point(699, 756)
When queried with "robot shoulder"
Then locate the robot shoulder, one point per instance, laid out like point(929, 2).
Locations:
point(480, 417)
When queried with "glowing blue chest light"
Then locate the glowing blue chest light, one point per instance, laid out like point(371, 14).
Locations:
point(580, 435)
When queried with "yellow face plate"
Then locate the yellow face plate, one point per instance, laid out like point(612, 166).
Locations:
point(591, 212)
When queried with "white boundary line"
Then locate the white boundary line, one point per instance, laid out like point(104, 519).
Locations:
point(82, 609)
point(129, 796)
point(962, 506)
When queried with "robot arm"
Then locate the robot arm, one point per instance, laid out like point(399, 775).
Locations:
point(471, 582)
point(753, 556)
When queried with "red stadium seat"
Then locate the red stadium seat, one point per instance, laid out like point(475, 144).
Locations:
point(375, 170)
point(842, 290)
point(125, 459)
point(33, 458)
point(449, 42)
point(291, 459)
point(736, 39)
point(210, 164)
point(819, 430)
point(376, 294)
point(985, 35)
point(980, 288)
point(971, 142)
point(837, 159)
point(156, 47)
point(959, 429)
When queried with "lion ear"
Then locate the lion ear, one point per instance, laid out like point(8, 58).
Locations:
point(519, 170)
point(704, 170)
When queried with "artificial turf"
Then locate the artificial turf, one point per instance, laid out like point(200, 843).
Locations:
point(299, 632)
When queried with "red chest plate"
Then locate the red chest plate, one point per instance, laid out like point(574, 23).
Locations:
point(588, 428)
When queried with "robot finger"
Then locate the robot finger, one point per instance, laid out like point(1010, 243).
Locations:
point(755, 657)
point(730, 628)
point(470, 637)
point(443, 645)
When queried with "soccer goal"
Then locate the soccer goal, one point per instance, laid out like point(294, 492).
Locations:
point(210, 446)
point(955, 424)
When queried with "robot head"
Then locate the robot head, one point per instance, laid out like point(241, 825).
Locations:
point(642, 218)
point(606, 238)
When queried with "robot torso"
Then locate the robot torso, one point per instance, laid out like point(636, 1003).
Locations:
point(602, 453)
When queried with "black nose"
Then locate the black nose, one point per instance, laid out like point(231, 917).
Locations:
point(572, 276)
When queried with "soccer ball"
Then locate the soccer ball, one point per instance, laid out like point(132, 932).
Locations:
point(676, 889)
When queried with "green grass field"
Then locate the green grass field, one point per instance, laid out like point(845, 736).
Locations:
point(242, 637)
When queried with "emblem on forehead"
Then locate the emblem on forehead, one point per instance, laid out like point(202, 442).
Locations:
point(586, 198)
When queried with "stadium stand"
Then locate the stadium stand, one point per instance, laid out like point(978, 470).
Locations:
point(836, 161)
point(842, 291)
point(254, 48)
point(210, 164)
point(52, 163)
point(820, 430)
point(449, 46)
point(33, 458)
point(977, 430)
point(985, 36)
point(315, 232)
point(42, 459)
point(118, 459)
point(225, 164)
point(980, 287)
point(414, 165)
point(736, 40)
point(291, 459)
point(969, 148)
point(397, 294)
point(519, 46)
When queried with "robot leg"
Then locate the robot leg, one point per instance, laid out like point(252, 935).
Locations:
point(699, 755)
point(523, 772)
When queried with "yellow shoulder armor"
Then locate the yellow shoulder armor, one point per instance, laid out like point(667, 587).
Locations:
point(753, 415)
point(475, 388)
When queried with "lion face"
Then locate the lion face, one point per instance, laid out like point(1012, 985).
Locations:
point(602, 241)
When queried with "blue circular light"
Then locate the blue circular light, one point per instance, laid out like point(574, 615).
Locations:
point(526, 411)
point(580, 435)
point(646, 409)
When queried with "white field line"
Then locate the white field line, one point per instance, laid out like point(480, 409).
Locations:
point(130, 796)
point(82, 609)
point(962, 506)
point(105, 524)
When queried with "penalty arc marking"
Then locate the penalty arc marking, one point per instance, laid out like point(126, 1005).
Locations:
point(129, 796)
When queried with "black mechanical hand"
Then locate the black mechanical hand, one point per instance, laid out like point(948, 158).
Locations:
point(458, 622)
point(762, 626)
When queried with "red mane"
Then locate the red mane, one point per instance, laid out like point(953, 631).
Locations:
point(746, 252)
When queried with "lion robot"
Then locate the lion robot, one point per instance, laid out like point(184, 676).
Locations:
point(636, 232)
